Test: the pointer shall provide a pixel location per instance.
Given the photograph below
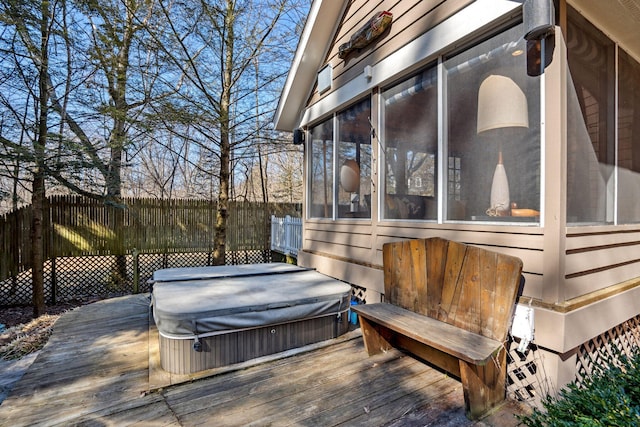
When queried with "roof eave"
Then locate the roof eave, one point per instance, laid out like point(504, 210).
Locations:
point(318, 32)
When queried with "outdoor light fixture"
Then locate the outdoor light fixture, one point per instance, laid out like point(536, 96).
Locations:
point(501, 105)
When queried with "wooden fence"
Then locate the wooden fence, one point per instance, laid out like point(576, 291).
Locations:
point(77, 227)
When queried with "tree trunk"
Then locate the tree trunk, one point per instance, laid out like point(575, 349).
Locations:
point(117, 140)
point(119, 274)
point(222, 212)
point(38, 187)
point(263, 171)
point(37, 244)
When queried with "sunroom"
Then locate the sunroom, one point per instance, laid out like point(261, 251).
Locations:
point(470, 121)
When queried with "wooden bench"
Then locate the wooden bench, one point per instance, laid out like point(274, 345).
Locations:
point(450, 304)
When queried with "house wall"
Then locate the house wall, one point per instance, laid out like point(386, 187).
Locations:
point(581, 281)
point(410, 20)
point(599, 257)
point(328, 243)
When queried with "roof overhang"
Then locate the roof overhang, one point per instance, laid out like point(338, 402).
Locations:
point(324, 17)
point(620, 19)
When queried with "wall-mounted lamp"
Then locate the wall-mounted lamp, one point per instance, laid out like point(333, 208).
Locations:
point(298, 136)
point(501, 105)
point(538, 18)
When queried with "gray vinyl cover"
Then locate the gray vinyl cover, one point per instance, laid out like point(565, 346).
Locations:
point(203, 307)
point(199, 273)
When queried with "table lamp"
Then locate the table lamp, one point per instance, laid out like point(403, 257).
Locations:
point(350, 181)
point(501, 105)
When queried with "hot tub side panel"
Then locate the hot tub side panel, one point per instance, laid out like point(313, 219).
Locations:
point(178, 356)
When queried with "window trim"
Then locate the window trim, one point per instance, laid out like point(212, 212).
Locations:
point(470, 24)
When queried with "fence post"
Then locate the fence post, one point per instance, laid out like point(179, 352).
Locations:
point(54, 281)
point(136, 271)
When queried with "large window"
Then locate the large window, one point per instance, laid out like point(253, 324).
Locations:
point(343, 179)
point(410, 138)
point(321, 171)
point(590, 128)
point(354, 161)
point(603, 136)
point(492, 132)
point(474, 146)
point(628, 139)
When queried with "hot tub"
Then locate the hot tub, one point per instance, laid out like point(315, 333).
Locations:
point(209, 317)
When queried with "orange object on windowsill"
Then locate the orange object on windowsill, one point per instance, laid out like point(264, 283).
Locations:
point(524, 212)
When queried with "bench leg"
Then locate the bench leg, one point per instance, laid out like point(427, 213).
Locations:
point(483, 386)
point(374, 342)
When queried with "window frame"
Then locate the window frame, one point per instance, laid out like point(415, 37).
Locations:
point(335, 170)
point(442, 152)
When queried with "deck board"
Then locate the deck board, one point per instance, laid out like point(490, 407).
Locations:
point(97, 367)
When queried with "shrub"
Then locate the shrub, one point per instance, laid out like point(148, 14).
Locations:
point(609, 397)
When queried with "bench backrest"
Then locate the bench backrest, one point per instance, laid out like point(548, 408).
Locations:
point(466, 286)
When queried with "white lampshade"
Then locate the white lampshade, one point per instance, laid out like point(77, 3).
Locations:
point(350, 176)
point(501, 104)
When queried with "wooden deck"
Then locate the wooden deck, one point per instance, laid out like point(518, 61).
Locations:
point(95, 370)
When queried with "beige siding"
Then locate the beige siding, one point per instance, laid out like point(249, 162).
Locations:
point(579, 238)
point(597, 259)
point(410, 20)
point(362, 244)
point(359, 237)
point(349, 241)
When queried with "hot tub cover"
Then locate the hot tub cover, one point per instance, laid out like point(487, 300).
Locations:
point(199, 273)
point(201, 307)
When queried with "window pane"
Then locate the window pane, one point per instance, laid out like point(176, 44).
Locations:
point(354, 161)
point(492, 132)
point(590, 119)
point(321, 171)
point(410, 139)
point(628, 139)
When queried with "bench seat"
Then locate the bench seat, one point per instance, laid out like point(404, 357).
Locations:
point(459, 343)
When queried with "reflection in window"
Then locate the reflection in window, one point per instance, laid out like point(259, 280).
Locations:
point(354, 161)
point(493, 133)
point(321, 171)
point(454, 178)
point(410, 135)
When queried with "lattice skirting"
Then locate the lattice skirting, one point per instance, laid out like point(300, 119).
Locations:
point(73, 278)
point(607, 348)
point(526, 378)
point(359, 294)
point(527, 381)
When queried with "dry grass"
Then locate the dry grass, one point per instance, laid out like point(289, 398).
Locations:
point(26, 338)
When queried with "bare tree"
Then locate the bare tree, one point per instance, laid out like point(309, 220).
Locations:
point(216, 44)
point(70, 71)
point(181, 91)
point(28, 33)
